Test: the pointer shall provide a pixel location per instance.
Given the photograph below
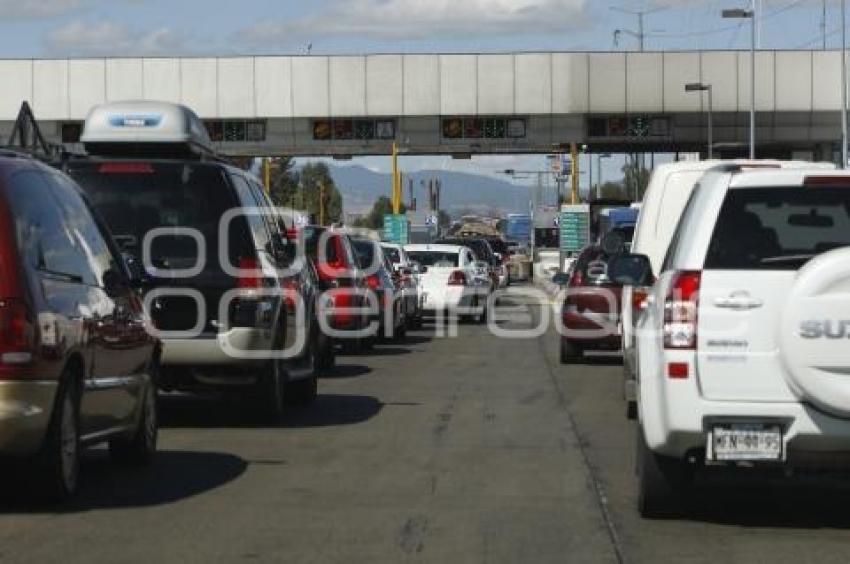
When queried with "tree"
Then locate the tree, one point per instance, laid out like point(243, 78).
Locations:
point(636, 179)
point(310, 189)
point(613, 191)
point(375, 218)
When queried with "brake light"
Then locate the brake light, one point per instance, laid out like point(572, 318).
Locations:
point(577, 278)
point(457, 278)
point(126, 168)
point(373, 281)
point(680, 311)
point(249, 281)
point(639, 298)
point(837, 181)
point(16, 332)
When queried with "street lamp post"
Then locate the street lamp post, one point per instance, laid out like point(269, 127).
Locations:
point(700, 87)
point(599, 169)
point(751, 15)
point(843, 84)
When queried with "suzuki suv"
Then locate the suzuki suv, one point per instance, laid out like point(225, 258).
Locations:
point(77, 367)
point(742, 351)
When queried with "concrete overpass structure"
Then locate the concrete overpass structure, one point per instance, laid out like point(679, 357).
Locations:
point(454, 103)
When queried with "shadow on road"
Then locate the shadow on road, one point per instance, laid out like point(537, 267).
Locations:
point(600, 360)
point(347, 371)
point(780, 507)
point(174, 475)
point(217, 412)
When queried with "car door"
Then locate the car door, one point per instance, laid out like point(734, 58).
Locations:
point(123, 350)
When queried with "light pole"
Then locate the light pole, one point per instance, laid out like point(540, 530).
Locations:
point(700, 87)
point(751, 15)
point(599, 170)
point(843, 84)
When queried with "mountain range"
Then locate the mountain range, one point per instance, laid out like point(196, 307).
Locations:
point(360, 187)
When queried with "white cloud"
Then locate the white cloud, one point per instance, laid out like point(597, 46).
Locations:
point(418, 19)
point(80, 37)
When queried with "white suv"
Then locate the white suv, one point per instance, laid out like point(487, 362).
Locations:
point(741, 352)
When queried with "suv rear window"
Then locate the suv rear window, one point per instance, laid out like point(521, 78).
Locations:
point(435, 258)
point(778, 228)
point(135, 200)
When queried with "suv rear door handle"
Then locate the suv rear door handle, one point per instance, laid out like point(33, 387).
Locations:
point(739, 302)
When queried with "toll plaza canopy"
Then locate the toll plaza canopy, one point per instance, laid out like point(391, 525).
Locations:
point(453, 103)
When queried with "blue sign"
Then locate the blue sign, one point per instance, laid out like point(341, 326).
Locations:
point(396, 229)
point(149, 120)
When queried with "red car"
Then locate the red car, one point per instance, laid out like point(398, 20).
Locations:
point(591, 307)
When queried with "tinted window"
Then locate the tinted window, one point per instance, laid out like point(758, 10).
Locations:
point(365, 252)
point(79, 220)
point(256, 222)
point(45, 239)
point(393, 254)
point(778, 228)
point(435, 258)
point(134, 201)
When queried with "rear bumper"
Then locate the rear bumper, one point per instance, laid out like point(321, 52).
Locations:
point(809, 434)
point(209, 350)
point(25, 411)
point(452, 298)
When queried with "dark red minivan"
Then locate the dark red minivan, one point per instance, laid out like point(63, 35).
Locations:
point(77, 366)
point(591, 308)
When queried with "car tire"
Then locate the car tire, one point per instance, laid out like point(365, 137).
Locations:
point(571, 353)
point(303, 392)
point(141, 448)
point(481, 318)
point(325, 354)
point(664, 483)
point(400, 333)
point(269, 393)
point(58, 462)
point(631, 410)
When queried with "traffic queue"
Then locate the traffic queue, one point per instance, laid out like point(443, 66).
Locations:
point(152, 264)
point(729, 303)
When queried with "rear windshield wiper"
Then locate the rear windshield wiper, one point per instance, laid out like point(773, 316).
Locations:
point(788, 258)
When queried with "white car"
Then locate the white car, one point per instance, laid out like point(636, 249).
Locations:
point(452, 280)
point(408, 275)
point(742, 350)
point(669, 190)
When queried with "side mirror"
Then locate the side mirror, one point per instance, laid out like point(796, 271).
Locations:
point(561, 279)
point(114, 284)
point(423, 270)
point(134, 268)
point(282, 249)
point(630, 270)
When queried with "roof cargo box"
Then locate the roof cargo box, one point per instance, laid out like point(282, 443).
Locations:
point(145, 129)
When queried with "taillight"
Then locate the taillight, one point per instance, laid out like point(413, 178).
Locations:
point(16, 332)
point(373, 281)
point(639, 296)
point(680, 311)
point(249, 281)
point(126, 168)
point(457, 278)
point(577, 278)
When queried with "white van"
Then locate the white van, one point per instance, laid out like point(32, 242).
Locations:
point(667, 194)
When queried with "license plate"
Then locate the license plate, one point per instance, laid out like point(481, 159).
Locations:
point(746, 442)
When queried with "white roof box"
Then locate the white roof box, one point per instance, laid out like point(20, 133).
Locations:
point(145, 129)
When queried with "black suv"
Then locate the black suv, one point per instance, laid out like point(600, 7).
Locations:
point(217, 277)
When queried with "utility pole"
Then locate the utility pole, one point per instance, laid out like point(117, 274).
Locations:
point(823, 24)
point(321, 203)
point(843, 84)
point(640, 34)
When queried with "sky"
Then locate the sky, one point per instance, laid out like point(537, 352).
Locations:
point(71, 28)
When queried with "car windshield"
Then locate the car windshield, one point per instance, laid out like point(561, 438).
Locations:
point(393, 254)
point(438, 259)
point(133, 200)
point(365, 252)
point(778, 228)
